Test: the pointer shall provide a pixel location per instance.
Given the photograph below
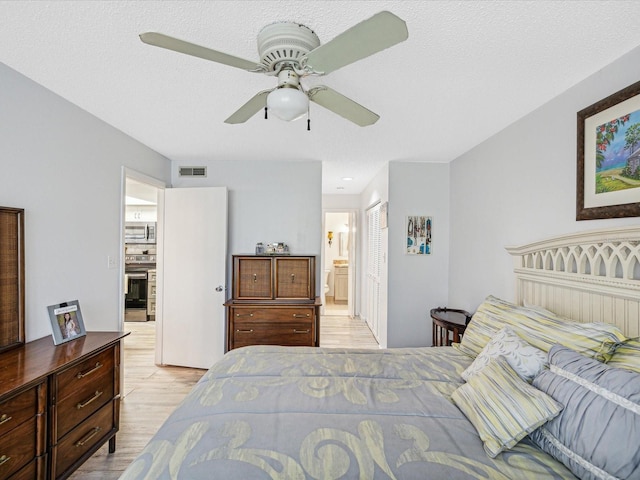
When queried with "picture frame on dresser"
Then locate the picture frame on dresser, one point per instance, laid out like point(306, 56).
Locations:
point(608, 157)
point(66, 322)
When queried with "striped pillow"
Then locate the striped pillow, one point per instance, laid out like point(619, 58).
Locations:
point(502, 407)
point(538, 327)
point(627, 355)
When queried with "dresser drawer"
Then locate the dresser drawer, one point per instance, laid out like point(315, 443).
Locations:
point(83, 389)
point(18, 409)
point(28, 472)
point(277, 314)
point(17, 448)
point(294, 334)
point(84, 437)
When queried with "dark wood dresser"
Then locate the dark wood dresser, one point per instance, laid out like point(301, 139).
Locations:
point(58, 404)
point(274, 301)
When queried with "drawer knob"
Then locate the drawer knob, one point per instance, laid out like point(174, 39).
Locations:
point(293, 277)
point(295, 330)
point(244, 314)
point(245, 331)
point(4, 418)
point(255, 278)
point(84, 404)
point(301, 315)
point(89, 372)
point(89, 436)
point(4, 459)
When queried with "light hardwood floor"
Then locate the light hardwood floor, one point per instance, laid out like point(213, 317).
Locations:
point(151, 392)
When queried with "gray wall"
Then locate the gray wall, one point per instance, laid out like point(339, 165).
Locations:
point(268, 202)
point(410, 284)
point(520, 186)
point(416, 283)
point(63, 166)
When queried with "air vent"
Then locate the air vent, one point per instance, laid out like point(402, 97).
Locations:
point(193, 171)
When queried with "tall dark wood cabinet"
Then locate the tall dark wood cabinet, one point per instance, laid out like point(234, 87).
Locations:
point(11, 278)
point(274, 301)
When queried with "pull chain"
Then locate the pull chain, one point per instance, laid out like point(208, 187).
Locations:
point(265, 113)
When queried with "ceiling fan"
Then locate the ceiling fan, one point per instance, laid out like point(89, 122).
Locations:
point(291, 51)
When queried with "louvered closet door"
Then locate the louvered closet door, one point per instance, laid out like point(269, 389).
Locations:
point(374, 257)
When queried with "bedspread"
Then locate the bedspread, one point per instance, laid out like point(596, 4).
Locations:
point(305, 413)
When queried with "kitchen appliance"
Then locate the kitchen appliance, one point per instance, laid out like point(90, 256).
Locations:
point(140, 232)
point(136, 272)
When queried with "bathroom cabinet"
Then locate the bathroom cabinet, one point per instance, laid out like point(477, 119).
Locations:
point(341, 284)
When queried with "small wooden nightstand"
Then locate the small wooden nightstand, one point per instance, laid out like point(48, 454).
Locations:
point(448, 325)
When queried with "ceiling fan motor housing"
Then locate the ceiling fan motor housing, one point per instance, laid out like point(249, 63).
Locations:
point(285, 42)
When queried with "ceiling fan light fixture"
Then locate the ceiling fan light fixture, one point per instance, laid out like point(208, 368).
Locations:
point(288, 103)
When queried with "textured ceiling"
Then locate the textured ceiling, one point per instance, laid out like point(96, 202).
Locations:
point(467, 70)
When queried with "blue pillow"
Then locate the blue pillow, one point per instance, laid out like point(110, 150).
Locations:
point(597, 434)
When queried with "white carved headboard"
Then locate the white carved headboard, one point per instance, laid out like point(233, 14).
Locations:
point(589, 276)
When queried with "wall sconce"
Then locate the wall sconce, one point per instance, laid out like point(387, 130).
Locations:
point(330, 237)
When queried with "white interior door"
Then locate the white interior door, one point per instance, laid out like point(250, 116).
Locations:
point(193, 276)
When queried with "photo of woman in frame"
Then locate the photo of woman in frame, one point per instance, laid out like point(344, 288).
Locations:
point(66, 322)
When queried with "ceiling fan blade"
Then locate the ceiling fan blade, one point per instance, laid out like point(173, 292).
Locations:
point(177, 45)
point(250, 108)
point(343, 106)
point(381, 31)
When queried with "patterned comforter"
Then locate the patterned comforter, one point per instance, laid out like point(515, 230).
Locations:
point(306, 413)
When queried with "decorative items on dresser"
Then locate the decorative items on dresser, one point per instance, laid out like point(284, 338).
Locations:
point(448, 325)
point(58, 404)
point(273, 301)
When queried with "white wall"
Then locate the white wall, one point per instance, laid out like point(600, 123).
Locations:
point(416, 283)
point(520, 186)
point(340, 202)
point(268, 202)
point(63, 166)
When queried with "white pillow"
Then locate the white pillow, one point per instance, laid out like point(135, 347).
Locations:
point(525, 359)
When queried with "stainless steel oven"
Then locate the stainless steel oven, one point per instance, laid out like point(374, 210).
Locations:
point(136, 286)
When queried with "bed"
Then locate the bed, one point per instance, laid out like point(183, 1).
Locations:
point(520, 397)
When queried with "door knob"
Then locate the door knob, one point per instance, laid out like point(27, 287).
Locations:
point(219, 288)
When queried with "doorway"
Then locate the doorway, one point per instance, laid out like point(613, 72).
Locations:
point(140, 203)
point(338, 266)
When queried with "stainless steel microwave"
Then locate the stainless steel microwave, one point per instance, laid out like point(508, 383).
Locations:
point(140, 232)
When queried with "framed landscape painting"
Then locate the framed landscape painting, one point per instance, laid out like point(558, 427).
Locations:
point(608, 183)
